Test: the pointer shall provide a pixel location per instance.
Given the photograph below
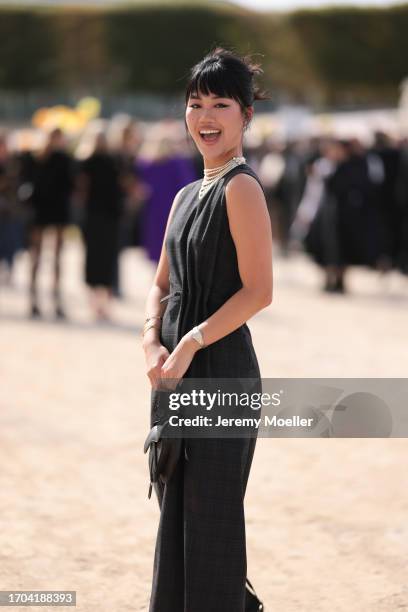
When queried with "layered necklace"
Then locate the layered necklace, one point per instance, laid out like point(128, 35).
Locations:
point(212, 175)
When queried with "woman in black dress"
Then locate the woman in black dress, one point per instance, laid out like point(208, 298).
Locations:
point(215, 272)
point(100, 182)
point(52, 190)
point(347, 230)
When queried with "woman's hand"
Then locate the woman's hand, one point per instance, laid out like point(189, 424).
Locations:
point(156, 355)
point(178, 362)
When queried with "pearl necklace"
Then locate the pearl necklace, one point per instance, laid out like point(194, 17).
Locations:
point(211, 175)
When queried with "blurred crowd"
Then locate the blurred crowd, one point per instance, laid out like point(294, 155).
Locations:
point(115, 186)
point(344, 202)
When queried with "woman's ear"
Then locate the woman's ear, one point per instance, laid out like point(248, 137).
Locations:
point(249, 113)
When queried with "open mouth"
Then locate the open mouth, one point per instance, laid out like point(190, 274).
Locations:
point(210, 136)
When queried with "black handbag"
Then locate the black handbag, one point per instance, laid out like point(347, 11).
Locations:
point(163, 453)
point(252, 603)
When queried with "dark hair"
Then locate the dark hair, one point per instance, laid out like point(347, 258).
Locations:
point(228, 75)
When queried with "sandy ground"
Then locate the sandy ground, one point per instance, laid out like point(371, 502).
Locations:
point(327, 526)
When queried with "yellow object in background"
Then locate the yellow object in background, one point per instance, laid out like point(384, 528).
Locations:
point(71, 120)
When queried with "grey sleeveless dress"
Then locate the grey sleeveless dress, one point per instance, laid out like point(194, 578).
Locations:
point(200, 555)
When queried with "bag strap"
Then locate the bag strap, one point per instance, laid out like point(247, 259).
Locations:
point(153, 450)
point(252, 590)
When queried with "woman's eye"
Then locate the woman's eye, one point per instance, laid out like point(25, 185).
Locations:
point(194, 105)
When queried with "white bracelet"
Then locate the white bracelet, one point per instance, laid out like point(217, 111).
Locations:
point(198, 336)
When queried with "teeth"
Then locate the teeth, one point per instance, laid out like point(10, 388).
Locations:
point(209, 131)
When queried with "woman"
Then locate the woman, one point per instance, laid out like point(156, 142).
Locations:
point(52, 191)
point(101, 188)
point(214, 272)
point(346, 229)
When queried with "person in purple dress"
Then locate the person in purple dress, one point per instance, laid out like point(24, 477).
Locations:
point(164, 171)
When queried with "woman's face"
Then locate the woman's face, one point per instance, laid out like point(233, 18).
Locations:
point(222, 117)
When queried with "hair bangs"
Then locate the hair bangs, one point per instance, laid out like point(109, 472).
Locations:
point(213, 79)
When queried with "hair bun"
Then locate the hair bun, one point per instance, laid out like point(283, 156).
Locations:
point(228, 74)
point(254, 68)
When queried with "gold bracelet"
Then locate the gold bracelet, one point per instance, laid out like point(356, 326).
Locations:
point(155, 317)
point(149, 326)
point(152, 323)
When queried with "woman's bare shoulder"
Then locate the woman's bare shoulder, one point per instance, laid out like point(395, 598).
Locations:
point(244, 187)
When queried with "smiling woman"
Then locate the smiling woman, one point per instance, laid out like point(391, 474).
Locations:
point(219, 99)
point(215, 273)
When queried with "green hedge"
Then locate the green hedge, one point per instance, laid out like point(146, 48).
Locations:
point(28, 49)
point(355, 49)
point(336, 54)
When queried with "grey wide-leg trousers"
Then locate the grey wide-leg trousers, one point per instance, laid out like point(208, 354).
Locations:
point(200, 555)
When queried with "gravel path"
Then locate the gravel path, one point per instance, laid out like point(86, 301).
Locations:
point(327, 526)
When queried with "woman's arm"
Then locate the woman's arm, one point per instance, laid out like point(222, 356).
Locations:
point(160, 286)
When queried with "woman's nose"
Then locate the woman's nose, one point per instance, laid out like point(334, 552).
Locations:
point(207, 113)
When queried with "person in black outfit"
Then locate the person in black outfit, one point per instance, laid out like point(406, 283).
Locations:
point(389, 206)
point(402, 200)
point(133, 198)
point(288, 192)
point(346, 229)
point(11, 214)
point(100, 183)
point(214, 273)
point(52, 189)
